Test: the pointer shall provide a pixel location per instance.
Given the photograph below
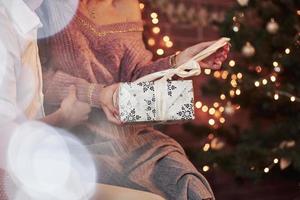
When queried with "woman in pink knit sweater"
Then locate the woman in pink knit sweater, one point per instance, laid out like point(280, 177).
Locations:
point(100, 48)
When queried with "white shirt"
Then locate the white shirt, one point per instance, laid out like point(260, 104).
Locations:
point(20, 68)
point(21, 95)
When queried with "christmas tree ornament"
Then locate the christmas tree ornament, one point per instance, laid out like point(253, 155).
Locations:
point(285, 163)
point(248, 50)
point(243, 2)
point(272, 26)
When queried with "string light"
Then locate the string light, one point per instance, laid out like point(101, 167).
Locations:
point(212, 111)
point(156, 30)
point(142, 6)
point(239, 75)
point(266, 170)
point(293, 99)
point(211, 122)
point(204, 108)
point(154, 15)
point(276, 97)
point(207, 71)
point(206, 147)
point(265, 82)
point(216, 104)
point(231, 63)
point(277, 69)
point(205, 168)
point(287, 51)
point(155, 21)
point(222, 120)
point(166, 38)
point(275, 160)
point(238, 92)
point(222, 97)
point(235, 28)
point(257, 84)
point(151, 42)
point(198, 104)
point(160, 52)
point(217, 74)
point(169, 44)
point(275, 64)
point(221, 109)
point(273, 78)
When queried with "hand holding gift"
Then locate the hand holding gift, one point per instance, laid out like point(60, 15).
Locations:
point(149, 99)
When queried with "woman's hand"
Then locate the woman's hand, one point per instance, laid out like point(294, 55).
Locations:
point(107, 103)
point(214, 61)
point(70, 116)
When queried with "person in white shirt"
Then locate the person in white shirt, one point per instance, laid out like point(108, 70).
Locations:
point(21, 96)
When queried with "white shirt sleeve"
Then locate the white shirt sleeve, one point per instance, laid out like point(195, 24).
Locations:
point(8, 111)
point(8, 107)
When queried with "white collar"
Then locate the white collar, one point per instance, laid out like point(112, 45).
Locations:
point(23, 17)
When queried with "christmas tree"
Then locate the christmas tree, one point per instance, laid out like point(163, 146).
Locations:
point(262, 80)
point(253, 113)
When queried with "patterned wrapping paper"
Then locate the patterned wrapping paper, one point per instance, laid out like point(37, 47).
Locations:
point(156, 101)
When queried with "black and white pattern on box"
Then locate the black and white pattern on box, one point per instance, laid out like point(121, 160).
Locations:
point(137, 101)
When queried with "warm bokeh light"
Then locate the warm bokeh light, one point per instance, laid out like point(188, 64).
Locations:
point(198, 104)
point(151, 42)
point(156, 30)
point(160, 52)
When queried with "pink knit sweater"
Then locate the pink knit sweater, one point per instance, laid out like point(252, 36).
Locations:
point(85, 53)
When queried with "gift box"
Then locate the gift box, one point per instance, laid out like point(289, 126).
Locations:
point(156, 97)
point(156, 101)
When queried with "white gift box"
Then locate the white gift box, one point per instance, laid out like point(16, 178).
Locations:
point(156, 98)
point(156, 101)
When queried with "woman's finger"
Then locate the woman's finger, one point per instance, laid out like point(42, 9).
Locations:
point(110, 116)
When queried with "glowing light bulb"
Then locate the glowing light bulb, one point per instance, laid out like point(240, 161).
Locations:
point(205, 168)
point(257, 84)
point(265, 82)
point(276, 97)
point(217, 74)
point(216, 104)
point(266, 170)
point(160, 52)
point(156, 30)
point(207, 71)
point(154, 15)
point(169, 44)
point(222, 120)
point(231, 63)
point(166, 38)
point(238, 92)
point(206, 147)
point(155, 21)
point(151, 42)
point(287, 51)
point(198, 104)
point(212, 111)
point(142, 6)
point(204, 108)
point(235, 29)
point(293, 99)
point(221, 109)
point(273, 78)
point(276, 160)
point(222, 97)
point(211, 122)
point(275, 64)
point(240, 75)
